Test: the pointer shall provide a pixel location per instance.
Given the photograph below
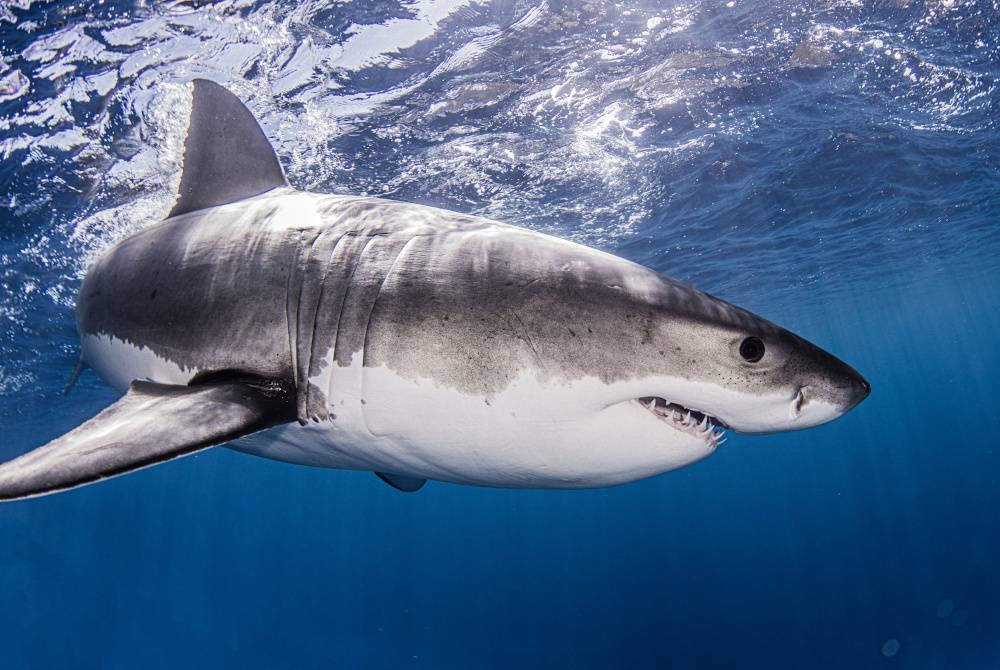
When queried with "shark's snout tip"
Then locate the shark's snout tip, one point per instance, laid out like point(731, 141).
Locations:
point(866, 387)
point(860, 389)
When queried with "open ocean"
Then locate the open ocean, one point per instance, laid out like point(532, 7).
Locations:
point(831, 165)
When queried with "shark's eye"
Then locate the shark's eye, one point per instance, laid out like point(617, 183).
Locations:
point(752, 349)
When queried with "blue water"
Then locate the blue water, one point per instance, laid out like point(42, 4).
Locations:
point(834, 166)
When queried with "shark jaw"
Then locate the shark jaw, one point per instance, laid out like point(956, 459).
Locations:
point(692, 422)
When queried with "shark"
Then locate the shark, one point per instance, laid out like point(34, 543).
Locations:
point(420, 344)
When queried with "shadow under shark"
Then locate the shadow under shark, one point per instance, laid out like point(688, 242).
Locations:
point(352, 332)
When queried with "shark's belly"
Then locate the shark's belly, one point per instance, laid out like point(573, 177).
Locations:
point(519, 437)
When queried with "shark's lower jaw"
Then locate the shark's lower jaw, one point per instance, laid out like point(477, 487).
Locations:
point(686, 420)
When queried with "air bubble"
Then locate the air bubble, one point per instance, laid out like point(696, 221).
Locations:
point(890, 648)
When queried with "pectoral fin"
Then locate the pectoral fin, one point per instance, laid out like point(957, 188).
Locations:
point(402, 482)
point(151, 424)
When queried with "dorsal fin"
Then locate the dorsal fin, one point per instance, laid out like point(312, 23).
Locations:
point(226, 155)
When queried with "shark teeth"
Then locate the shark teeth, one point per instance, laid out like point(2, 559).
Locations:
point(685, 420)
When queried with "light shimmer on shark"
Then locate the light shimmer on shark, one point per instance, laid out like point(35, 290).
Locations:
point(359, 333)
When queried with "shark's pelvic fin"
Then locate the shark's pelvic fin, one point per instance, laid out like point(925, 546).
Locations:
point(226, 155)
point(151, 424)
point(402, 483)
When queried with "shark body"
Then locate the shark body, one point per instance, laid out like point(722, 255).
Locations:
point(359, 333)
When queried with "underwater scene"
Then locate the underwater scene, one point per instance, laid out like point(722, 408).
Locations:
point(832, 166)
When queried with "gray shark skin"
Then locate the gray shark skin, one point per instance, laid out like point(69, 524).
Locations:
point(419, 343)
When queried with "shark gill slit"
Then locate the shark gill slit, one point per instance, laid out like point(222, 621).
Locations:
point(361, 298)
point(343, 259)
point(303, 258)
point(400, 252)
point(292, 320)
point(320, 294)
point(344, 303)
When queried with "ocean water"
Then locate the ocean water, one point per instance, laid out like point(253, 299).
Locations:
point(831, 165)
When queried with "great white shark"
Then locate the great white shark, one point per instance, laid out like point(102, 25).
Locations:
point(360, 333)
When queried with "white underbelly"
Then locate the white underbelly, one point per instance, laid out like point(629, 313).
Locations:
point(525, 436)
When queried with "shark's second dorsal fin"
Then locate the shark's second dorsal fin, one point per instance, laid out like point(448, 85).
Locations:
point(226, 155)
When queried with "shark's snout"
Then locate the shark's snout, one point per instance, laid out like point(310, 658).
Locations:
point(829, 397)
point(842, 384)
point(859, 389)
point(864, 388)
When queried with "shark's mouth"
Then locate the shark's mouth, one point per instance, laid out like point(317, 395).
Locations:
point(690, 421)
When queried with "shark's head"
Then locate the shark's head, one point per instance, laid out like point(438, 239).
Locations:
point(713, 359)
point(690, 365)
point(687, 366)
